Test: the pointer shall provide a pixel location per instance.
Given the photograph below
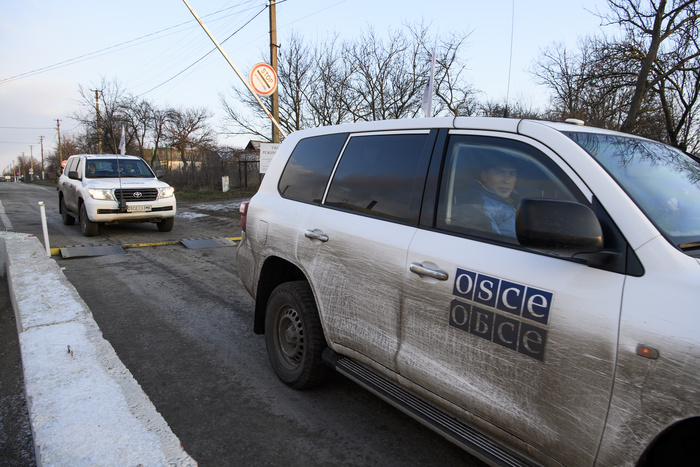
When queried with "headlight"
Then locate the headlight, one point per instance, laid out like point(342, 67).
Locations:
point(166, 192)
point(97, 193)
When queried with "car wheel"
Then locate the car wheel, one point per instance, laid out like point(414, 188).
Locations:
point(294, 337)
point(67, 218)
point(88, 227)
point(166, 225)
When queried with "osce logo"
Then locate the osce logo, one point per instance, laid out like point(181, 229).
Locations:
point(504, 312)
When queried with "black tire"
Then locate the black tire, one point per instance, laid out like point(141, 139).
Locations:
point(67, 218)
point(87, 227)
point(294, 336)
point(166, 225)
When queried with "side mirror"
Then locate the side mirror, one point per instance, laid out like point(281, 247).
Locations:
point(74, 175)
point(160, 173)
point(560, 227)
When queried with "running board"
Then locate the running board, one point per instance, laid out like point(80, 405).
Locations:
point(461, 434)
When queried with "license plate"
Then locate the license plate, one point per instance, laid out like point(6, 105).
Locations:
point(138, 208)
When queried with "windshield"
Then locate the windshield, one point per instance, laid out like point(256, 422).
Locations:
point(111, 168)
point(662, 181)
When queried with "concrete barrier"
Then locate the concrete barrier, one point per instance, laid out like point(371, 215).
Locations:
point(85, 407)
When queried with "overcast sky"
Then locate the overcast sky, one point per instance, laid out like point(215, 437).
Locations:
point(48, 48)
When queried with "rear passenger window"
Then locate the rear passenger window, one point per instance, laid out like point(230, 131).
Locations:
point(375, 175)
point(484, 180)
point(306, 175)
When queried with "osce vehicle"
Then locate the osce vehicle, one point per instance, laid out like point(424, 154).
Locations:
point(562, 330)
point(100, 189)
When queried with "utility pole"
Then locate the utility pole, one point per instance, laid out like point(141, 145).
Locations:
point(250, 88)
point(99, 132)
point(31, 163)
point(60, 152)
point(41, 140)
point(273, 63)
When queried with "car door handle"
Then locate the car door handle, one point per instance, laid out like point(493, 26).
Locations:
point(424, 271)
point(313, 235)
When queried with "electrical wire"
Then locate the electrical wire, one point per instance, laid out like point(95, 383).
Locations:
point(110, 49)
point(205, 55)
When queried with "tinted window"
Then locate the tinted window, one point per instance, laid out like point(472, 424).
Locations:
point(485, 178)
point(376, 175)
point(306, 175)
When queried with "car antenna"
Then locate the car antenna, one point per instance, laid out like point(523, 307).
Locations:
point(122, 150)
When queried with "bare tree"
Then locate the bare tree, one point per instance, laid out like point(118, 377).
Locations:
point(495, 108)
point(367, 79)
point(296, 76)
point(330, 94)
point(592, 84)
point(650, 27)
point(139, 114)
point(112, 112)
point(188, 130)
point(387, 81)
point(160, 119)
point(454, 94)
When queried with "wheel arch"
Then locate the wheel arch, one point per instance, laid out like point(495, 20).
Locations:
point(677, 445)
point(274, 272)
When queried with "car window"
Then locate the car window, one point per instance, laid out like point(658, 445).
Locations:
point(111, 168)
point(71, 165)
point(376, 174)
point(306, 174)
point(661, 180)
point(133, 168)
point(79, 167)
point(484, 179)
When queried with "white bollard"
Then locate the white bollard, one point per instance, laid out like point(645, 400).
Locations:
point(43, 226)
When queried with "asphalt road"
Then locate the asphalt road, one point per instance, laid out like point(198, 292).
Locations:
point(181, 322)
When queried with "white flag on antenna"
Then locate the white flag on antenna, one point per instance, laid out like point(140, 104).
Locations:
point(122, 143)
point(427, 104)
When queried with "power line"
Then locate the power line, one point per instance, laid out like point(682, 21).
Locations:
point(25, 128)
point(205, 55)
point(105, 50)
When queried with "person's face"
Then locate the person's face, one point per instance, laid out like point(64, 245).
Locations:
point(500, 180)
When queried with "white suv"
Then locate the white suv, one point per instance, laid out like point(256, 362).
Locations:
point(529, 290)
point(98, 189)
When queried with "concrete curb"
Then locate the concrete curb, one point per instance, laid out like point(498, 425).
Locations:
point(85, 407)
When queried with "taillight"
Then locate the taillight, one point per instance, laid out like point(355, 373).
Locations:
point(244, 213)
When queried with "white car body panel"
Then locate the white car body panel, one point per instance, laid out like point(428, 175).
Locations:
point(585, 396)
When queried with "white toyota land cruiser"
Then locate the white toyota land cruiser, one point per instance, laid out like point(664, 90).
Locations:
point(529, 290)
point(98, 189)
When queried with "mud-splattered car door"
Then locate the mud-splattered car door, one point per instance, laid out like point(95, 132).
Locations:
point(520, 343)
point(356, 243)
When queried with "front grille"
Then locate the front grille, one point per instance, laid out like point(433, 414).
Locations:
point(146, 194)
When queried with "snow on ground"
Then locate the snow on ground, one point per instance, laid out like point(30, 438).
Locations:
point(193, 211)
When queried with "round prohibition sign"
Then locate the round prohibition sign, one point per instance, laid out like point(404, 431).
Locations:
point(262, 79)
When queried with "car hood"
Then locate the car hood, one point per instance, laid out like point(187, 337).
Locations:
point(128, 183)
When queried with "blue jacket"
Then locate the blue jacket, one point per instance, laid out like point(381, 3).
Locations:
point(484, 210)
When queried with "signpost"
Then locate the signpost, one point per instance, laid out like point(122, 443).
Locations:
point(267, 151)
point(218, 46)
